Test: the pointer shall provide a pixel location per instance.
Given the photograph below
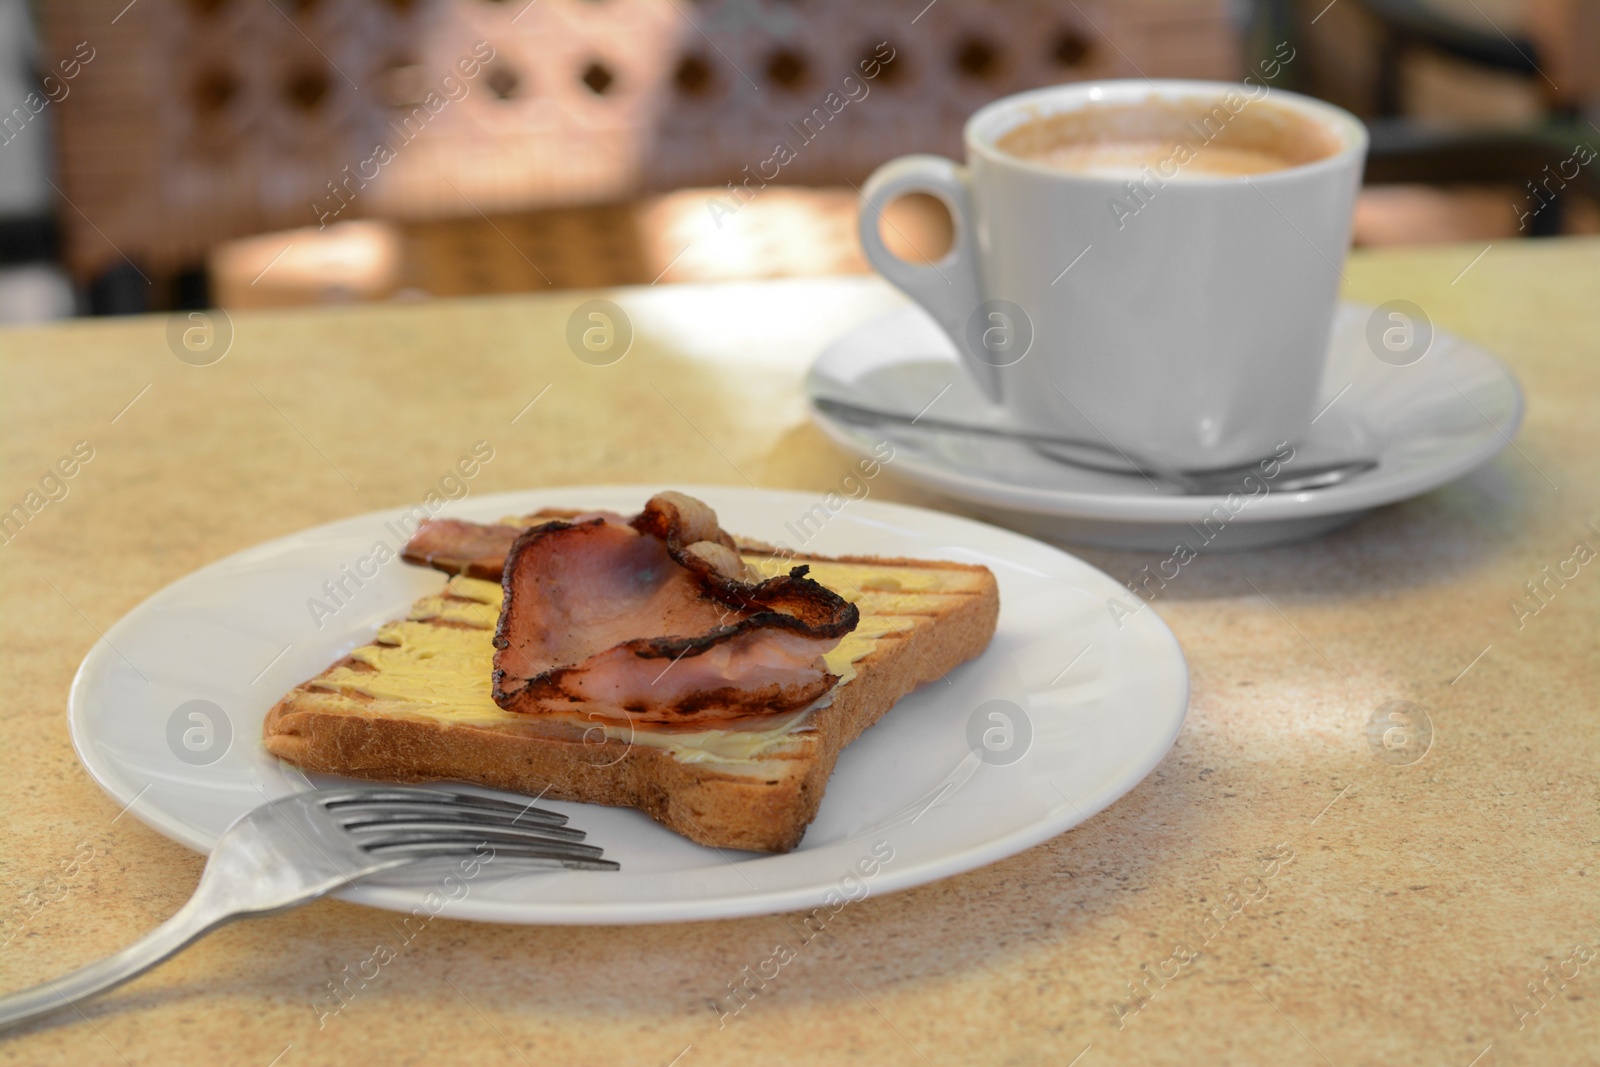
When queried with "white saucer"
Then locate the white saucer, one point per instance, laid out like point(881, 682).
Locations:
point(1427, 423)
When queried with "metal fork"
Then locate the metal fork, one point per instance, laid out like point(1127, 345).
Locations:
point(294, 850)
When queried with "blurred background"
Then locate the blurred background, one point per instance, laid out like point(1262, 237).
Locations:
point(166, 154)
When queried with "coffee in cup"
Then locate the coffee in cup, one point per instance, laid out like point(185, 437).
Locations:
point(1194, 137)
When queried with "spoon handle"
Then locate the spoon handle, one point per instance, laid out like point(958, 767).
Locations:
point(870, 416)
point(1213, 482)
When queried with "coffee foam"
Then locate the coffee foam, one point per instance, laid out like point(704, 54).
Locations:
point(1198, 137)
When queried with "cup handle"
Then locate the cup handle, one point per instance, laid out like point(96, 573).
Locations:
point(948, 289)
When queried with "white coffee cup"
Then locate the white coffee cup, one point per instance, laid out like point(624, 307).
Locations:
point(1188, 327)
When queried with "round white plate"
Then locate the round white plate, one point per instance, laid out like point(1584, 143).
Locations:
point(1427, 423)
point(1099, 705)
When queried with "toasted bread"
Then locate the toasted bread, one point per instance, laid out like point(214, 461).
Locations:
point(415, 706)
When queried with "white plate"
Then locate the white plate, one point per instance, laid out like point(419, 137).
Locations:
point(1104, 704)
point(1427, 423)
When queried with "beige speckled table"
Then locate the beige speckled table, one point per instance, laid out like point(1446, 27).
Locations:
point(1412, 907)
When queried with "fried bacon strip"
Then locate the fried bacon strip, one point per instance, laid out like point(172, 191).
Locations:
point(457, 547)
point(658, 620)
point(475, 549)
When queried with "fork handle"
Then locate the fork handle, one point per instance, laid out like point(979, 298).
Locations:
point(192, 921)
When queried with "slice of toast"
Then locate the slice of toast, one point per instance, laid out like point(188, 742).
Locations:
point(415, 705)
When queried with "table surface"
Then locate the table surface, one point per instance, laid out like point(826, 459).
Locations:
point(1414, 904)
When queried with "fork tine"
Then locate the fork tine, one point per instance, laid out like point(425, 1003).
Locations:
point(373, 831)
point(452, 839)
point(422, 823)
point(421, 795)
point(379, 796)
point(363, 816)
point(423, 850)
